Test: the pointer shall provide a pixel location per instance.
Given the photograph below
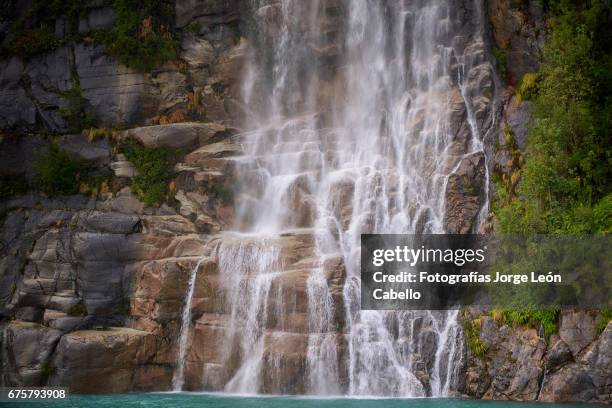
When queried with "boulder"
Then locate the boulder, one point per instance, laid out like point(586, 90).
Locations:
point(110, 222)
point(175, 135)
point(558, 354)
point(571, 383)
point(26, 349)
point(107, 361)
point(577, 330)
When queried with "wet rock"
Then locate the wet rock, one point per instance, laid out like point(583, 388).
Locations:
point(464, 194)
point(284, 363)
point(197, 52)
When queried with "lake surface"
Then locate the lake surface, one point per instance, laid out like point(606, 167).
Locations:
point(188, 400)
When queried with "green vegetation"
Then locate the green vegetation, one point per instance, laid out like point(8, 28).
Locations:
point(533, 318)
point(74, 112)
point(561, 185)
point(604, 319)
point(565, 180)
point(59, 172)
point(142, 38)
point(501, 62)
point(153, 165)
point(28, 43)
point(471, 329)
point(34, 32)
point(527, 87)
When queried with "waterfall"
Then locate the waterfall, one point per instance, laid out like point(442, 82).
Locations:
point(179, 375)
point(357, 113)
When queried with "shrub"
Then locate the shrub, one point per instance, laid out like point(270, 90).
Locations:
point(501, 63)
point(604, 319)
point(142, 38)
point(564, 185)
point(28, 43)
point(33, 32)
point(153, 165)
point(533, 318)
point(471, 329)
point(75, 113)
point(59, 172)
point(527, 87)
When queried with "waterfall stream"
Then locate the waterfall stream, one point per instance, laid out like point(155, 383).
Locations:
point(179, 379)
point(357, 113)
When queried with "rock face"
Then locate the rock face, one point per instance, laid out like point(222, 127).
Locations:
point(109, 360)
point(92, 289)
point(34, 92)
point(521, 364)
point(465, 194)
point(518, 29)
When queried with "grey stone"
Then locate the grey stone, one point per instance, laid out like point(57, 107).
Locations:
point(113, 90)
point(176, 135)
point(17, 108)
point(48, 77)
point(571, 383)
point(209, 11)
point(98, 151)
point(96, 19)
point(197, 52)
point(558, 354)
point(29, 314)
point(27, 347)
point(111, 222)
point(577, 330)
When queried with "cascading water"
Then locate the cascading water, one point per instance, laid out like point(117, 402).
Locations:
point(179, 375)
point(356, 117)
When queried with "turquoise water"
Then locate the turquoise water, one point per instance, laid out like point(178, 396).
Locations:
point(188, 400)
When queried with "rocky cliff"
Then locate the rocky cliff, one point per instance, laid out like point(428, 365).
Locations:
point(93, 285)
